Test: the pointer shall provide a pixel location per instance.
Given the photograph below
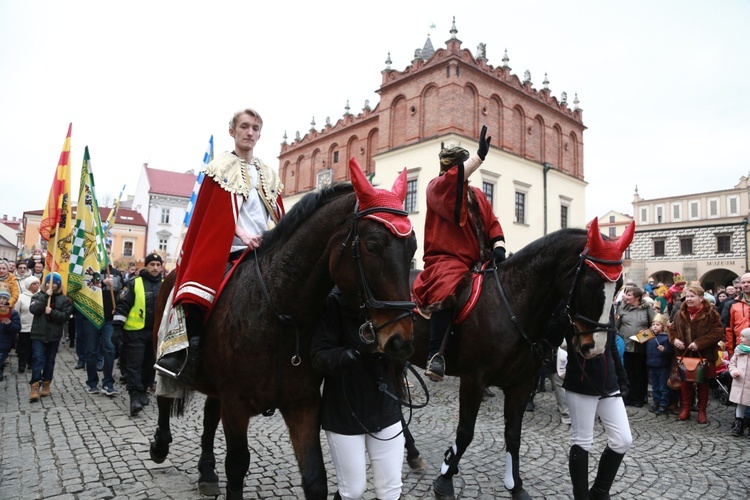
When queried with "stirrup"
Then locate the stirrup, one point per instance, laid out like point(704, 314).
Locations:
point(169, 373)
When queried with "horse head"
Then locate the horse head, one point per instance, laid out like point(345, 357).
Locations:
point(383, 244)
point(602, 273)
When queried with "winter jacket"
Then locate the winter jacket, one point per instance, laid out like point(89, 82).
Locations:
point(353, 402)
point(656, 358)
point(603, 374)
point(705, 329)
point(49, 327)
point(14, 286)
point(738, 318)
point(151, 286)
point(22, 306)
point(631, 320)
point(740, 364)
point(8, 332)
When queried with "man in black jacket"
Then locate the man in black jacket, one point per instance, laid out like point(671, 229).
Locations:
point(135, 315)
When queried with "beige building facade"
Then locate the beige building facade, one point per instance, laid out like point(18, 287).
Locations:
point(702, 236)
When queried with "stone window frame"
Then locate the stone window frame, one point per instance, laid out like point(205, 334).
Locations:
point(715, 201)
point(736, 199)
point(678, 217)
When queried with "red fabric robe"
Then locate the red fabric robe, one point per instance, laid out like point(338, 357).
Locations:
point(451, 246)
point(208, 241)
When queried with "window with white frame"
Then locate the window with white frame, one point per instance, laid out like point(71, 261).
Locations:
point(611, 218)
point(694, 209)
point(612, 232)
point(644, 215)
point(165, 215)
point(520, 208)
point(659, 214)
point(163, 244)
point(488, 188)
point(410, 203)
point(713, 208)
point(733, 205)
point(676, 212)
point(564, 216)
point(521, 202)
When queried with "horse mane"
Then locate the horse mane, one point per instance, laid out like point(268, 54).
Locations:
point(556, 243)
point(300, 213)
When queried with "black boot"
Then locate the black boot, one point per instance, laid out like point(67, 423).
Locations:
point(135, 403)
point(143, 398)
point(578, 464)
point(747, 424)
point(738, 427)
point(609, 464)
point(440, 323)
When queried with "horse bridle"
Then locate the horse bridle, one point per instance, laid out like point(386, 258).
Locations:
point(368, 330)
point(594, 326)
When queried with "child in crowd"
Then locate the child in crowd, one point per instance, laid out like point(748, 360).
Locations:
point(51, 310)
point(10, 325)
point(659, 354)
point(739, 368)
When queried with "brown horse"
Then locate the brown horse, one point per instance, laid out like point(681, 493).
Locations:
point(255, 351)
point(504, 341)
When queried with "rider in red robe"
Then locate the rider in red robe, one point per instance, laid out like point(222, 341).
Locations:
point(239, 198)
point(460, 230)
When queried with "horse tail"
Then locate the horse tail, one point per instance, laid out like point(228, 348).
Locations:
point(177, 406)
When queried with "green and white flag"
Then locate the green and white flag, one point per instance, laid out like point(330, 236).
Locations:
point(88, 254)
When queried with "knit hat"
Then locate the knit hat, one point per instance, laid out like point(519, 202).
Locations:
point(4, 291)
point(30, 281)
point(56, 279)
point(153, 257)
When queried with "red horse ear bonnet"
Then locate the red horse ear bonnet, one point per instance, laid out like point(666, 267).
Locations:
point(371, 197)
point(611, 251)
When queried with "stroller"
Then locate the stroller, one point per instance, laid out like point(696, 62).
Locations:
point(722, 383)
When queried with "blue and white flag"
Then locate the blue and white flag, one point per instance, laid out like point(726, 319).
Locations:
point(207, 157)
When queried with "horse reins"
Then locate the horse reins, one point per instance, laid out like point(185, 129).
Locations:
point(368, 330)
point(368, 300)
point(597, 327)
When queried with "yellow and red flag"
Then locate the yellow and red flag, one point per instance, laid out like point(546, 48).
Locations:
point(55, 226)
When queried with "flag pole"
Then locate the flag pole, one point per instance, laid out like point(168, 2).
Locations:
point(54, 260)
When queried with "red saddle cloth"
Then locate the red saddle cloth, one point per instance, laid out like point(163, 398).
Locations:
point(471, 295)
point(468, 298)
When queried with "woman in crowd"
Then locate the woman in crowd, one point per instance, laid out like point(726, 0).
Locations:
point(634, 315)
point(695, 332)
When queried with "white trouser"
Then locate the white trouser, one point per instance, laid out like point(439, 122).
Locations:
point(583, 410)
point(386, 458)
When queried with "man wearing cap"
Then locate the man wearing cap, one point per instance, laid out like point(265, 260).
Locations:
point(134, 318)
point(240, 196)
point(460, 230)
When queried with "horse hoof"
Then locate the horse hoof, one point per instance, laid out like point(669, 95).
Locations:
point(208, 489)
point(520, 495)
point(157, 457)
point(416, 463)
point(443, 488)
point(235, 495)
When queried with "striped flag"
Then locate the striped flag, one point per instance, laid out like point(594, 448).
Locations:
point(88, 254)
point(55, 227)
point(107, 225)
point(207, 157)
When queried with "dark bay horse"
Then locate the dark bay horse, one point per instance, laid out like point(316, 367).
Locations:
point(255, 351)
point(504, 340)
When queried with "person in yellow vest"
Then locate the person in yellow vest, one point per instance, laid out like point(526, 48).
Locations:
point(134, 318)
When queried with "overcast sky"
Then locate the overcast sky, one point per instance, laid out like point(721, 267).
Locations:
point(662, 84)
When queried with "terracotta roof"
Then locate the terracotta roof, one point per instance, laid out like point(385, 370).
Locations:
point(124, 216)
point(170, 183)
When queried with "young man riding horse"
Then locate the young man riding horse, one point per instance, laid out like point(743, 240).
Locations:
point(239, 197)
point(458, 225)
